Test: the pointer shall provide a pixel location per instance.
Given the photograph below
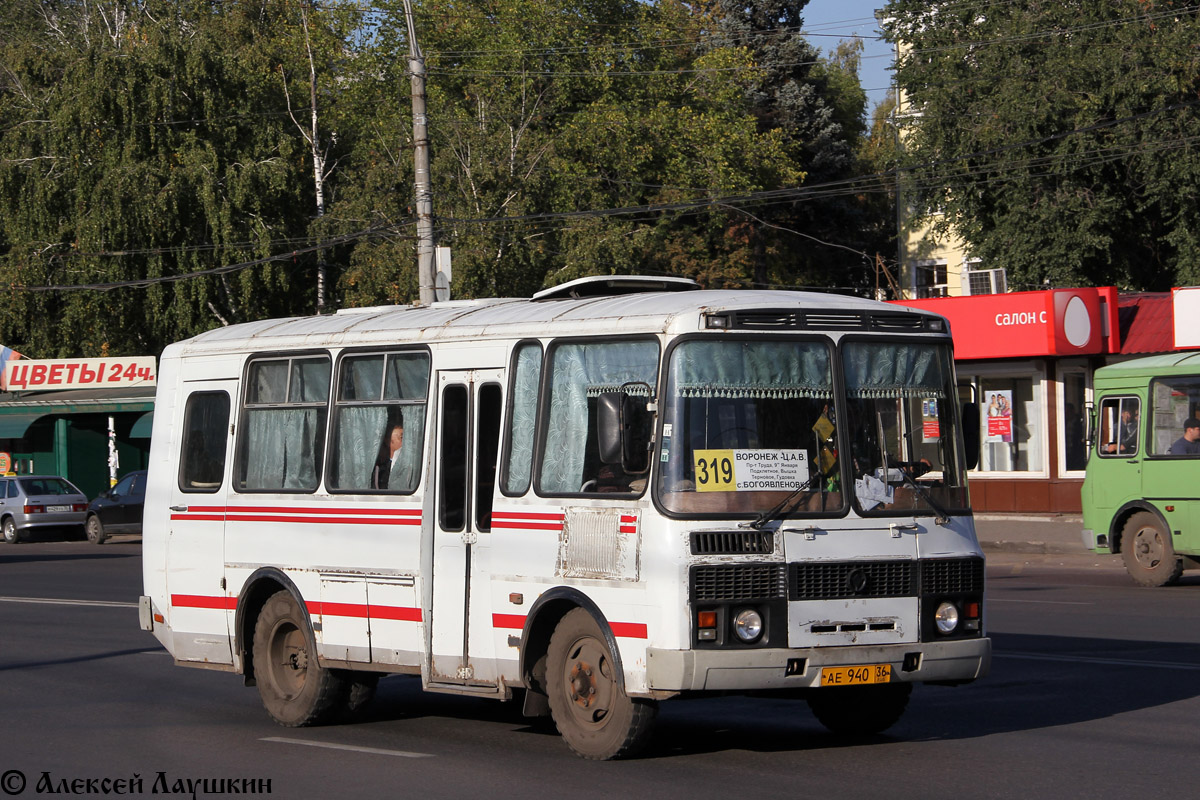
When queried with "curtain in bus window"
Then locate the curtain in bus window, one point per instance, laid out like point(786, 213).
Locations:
point(407, 377)
point(360, 431)
point(524, 417)
point(776, 370)
point(884, 369)
point(310, 381)
point(280, 448)
point(581, 372)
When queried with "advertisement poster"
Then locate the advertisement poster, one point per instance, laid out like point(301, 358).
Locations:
point(930, 430)
point(999, 416)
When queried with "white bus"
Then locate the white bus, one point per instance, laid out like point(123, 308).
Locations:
point(620, 491)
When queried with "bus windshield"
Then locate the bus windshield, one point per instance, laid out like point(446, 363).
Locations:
point(747, 423)
point(904, 452)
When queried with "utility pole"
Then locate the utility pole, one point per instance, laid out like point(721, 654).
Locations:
point(421, 182)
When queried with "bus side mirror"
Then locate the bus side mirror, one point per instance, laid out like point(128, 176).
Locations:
point(970, 423)
point(624, 430)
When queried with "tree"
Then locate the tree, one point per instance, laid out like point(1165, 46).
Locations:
point(1058, 137)
point(143, 141)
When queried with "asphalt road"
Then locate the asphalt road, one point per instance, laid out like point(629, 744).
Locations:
point(1093, 692)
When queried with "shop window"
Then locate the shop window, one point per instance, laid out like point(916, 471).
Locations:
point(1011, 432)
point(1072, 433)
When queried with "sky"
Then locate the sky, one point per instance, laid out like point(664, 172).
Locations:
point(829, 21)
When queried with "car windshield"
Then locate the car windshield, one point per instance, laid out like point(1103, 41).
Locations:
point(40, 486)
point(749, 425)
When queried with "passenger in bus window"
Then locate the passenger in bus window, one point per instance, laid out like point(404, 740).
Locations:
point(1128, 434)
point(390, 471)
point(1189, 443)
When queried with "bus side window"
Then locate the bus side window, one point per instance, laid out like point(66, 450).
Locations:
point(581, 371)
point(1120, 420)
point(205, 430)
point(522, 418)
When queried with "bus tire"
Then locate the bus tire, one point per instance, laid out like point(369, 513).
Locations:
point(295, 689)
point(594, 716)
point(860, 710)
point(1147, 551)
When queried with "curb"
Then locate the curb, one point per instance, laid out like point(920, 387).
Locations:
point(1035, 548)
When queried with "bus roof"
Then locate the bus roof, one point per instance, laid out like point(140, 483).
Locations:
point(1169, 363)
point(623, 313)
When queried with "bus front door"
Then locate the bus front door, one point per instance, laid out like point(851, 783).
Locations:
point(468, 431)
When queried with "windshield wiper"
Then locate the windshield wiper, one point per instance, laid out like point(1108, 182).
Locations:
point(778, 511)
point(943, 516)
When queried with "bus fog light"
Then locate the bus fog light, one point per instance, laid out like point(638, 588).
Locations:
point(748, 625)
point(946, 617)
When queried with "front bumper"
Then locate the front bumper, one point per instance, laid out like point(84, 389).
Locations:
point(746, 670)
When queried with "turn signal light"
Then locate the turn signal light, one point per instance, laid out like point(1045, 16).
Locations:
point(972, 610)
point(706, 619)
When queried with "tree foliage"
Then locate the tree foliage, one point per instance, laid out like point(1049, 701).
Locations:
point(142, 140)
point(1059, 137)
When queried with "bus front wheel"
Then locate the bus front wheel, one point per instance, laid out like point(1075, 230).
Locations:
point(1149, 555)
point(295, 689)
point(593, 714)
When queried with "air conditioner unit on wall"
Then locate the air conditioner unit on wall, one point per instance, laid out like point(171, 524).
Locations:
point(985, 281)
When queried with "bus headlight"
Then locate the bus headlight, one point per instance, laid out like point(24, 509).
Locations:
point(946, 618)
point(748, 625)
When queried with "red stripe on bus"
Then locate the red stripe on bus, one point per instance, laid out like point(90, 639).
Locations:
point(508, 621)
point(526, 515)
point(629, 630)
point(325, 520)
point(203, 601)
point(529, 526)
point(628, 519)
point(337, 609)
point(396, 612)
point(628, 529)
point(200, 517)
point(626, 630)
point(410, 512)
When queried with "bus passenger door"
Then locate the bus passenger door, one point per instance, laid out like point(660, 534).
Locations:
point(469, 413)
point(200, 606)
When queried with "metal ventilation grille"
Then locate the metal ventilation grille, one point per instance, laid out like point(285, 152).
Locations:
point(847, 579)
point(795, 319)
point(952, 576)
point(898, 322)
point(738, 582)
point(726, 543)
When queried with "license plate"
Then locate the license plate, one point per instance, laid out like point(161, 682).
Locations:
point(856, 676)
point(58, 508)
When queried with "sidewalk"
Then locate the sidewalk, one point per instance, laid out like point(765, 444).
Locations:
point(1031, 533)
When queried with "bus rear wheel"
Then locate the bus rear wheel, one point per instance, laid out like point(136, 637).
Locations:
point(595, 717)
point(1148, 553)
point(860, 710)
point(295, 689)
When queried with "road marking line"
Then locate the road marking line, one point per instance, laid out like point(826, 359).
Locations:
point(63, 602)
point(1118, 662)
point(1047, 602)
point(353, 748)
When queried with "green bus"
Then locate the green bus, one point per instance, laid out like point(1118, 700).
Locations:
point(1141, 496)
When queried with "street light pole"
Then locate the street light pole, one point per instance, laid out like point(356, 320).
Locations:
point(421, 181)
